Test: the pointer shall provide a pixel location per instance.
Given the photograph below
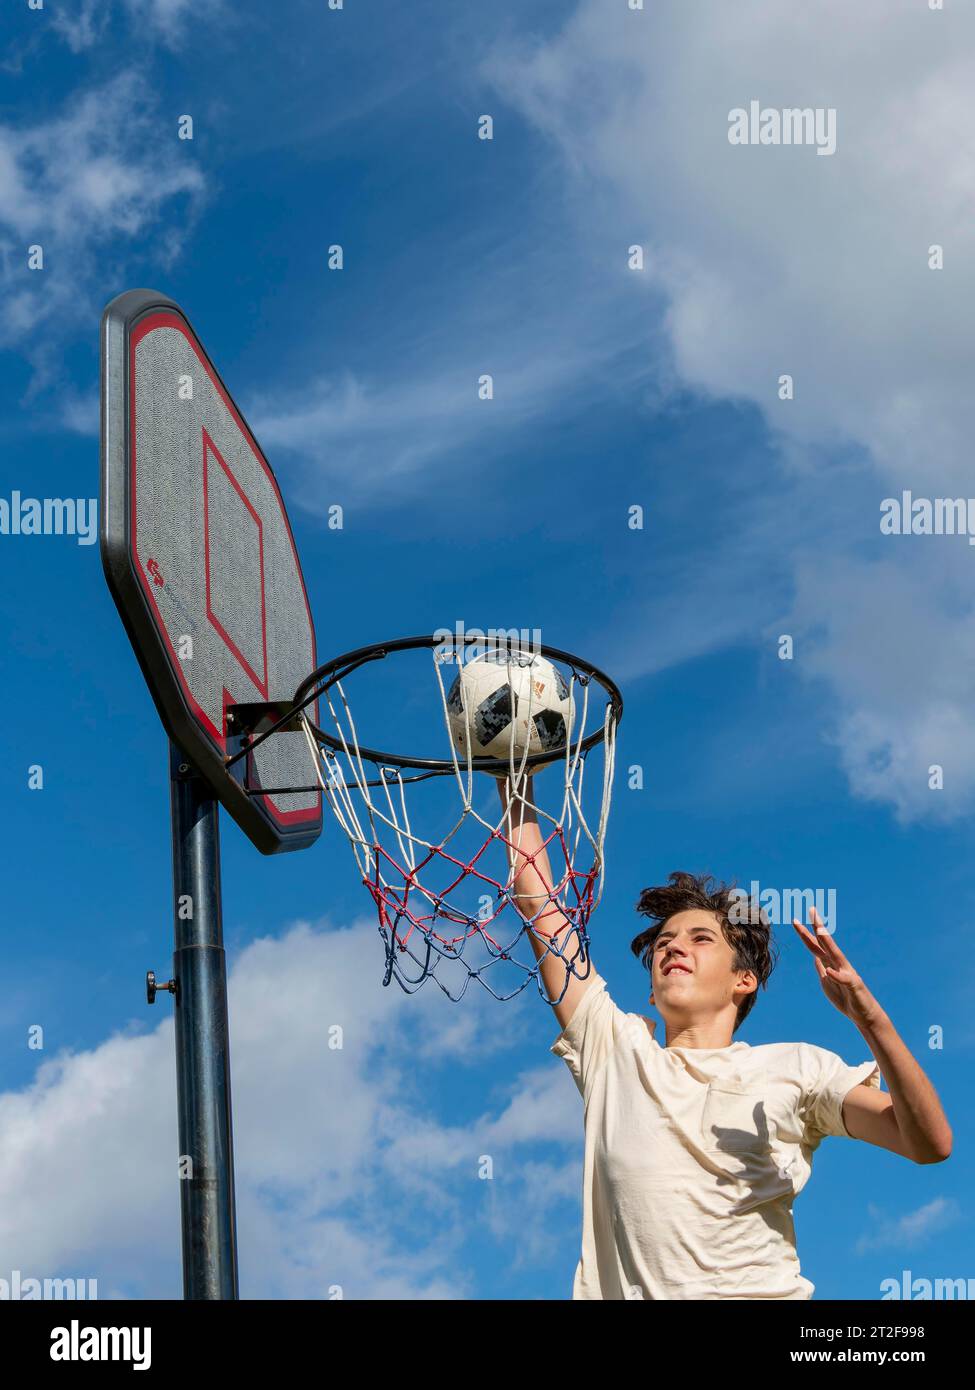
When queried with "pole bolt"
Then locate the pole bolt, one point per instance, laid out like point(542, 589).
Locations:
point(152, 988)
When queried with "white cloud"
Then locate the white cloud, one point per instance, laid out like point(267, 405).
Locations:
point(895, 641)
point(535, 1112)
point(345, 1175)
point(172, 20)
point(377, 436)
point(82, 25)
point(81, 413)
point(169, 21)
point(98, 176)
point(776, 260)
point(773, 259)
point(911, 1230)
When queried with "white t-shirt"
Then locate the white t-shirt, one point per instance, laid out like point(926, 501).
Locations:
point(693, 1156)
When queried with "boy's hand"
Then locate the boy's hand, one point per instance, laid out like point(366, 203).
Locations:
point(841, 984)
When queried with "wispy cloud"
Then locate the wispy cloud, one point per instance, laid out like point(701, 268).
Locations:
point(98, 175)
point(171, 18)
point(893, 640)
point(773, 262)
point(376, 436)
point(167, 21)
point(911, 1230)
point(82, 25)
point(80, 414)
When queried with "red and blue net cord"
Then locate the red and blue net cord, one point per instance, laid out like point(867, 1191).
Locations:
point(401, 916)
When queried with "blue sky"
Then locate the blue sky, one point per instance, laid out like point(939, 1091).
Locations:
point(613, 387)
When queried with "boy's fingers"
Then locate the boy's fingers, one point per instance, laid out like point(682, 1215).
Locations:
point(811, 941)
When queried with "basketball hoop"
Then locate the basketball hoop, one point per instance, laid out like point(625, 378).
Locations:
point(446, 911)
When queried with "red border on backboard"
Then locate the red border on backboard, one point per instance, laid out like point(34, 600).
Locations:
point(165, 318)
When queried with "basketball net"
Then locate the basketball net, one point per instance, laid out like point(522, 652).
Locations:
point(446, 904)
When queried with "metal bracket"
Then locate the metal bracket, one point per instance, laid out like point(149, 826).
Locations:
point(244, 720)
point(152, 988)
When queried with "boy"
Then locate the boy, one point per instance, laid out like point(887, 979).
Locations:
point(696, 1145)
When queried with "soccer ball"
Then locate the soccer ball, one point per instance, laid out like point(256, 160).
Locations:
point(506, 701)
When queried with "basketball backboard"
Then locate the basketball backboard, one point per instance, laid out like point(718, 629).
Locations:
point(202, 564)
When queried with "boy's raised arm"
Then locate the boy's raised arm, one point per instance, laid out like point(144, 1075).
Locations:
point(531, 891)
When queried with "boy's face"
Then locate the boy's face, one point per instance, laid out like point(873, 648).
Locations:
point(691, 971)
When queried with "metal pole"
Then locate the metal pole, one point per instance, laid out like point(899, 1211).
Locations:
point(202, 1041)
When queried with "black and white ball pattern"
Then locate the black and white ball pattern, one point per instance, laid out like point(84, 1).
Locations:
point(505, 701)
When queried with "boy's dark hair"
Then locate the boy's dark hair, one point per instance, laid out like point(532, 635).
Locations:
point(746, 931)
